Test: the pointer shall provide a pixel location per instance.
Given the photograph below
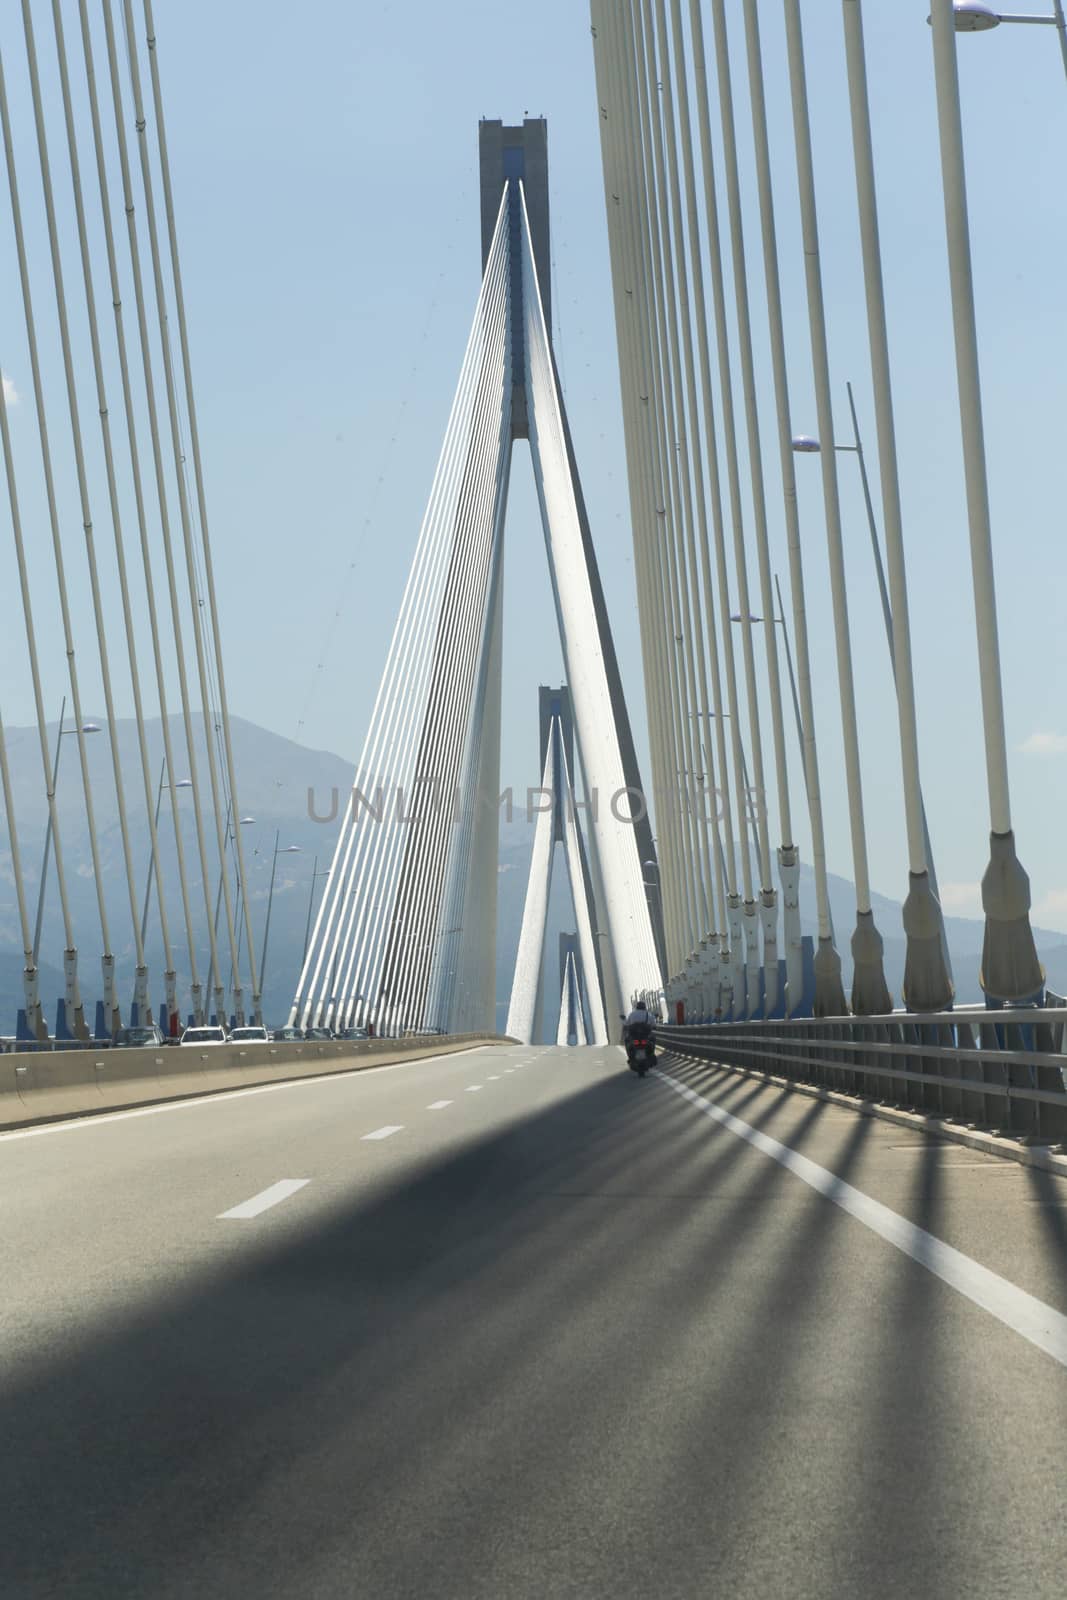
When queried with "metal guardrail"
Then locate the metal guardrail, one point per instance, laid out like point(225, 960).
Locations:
point(1005, 1070)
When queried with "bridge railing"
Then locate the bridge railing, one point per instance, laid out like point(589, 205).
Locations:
point(1005, 1070)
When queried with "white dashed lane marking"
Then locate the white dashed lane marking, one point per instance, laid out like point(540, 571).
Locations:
point(386, 1132)
point(263, 1201)
point(438, 1105)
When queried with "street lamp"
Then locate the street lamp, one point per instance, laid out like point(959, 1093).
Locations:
point(86, 727)
point(235, 976)
point(182, 783)
point(973, 16)
point(290, 850)
point(804, 444)
point(230, 833)
point(315, 876)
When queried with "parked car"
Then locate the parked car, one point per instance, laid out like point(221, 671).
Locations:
point(251, 1033)
point(354, 1033)
point(138, 1038)
point(288, 1035)
point(317, 1033)
point(208, 1034)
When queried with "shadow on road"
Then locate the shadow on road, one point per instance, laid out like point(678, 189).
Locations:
point(574, 1356)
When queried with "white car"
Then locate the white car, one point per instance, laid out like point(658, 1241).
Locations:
point(204, 1035)
point(250, 1035)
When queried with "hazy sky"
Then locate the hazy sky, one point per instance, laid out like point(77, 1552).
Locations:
point(325, 168)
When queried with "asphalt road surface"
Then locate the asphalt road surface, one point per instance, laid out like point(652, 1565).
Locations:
point(516, 1323)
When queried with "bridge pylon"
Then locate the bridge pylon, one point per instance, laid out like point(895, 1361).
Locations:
point(406, 931)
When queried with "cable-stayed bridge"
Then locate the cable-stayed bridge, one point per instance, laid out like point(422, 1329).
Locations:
point(704, 919)
point(443, 1312)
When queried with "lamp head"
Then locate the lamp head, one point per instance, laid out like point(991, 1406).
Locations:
point(972, 16)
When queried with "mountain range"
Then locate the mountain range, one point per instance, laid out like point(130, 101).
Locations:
point(294, 794)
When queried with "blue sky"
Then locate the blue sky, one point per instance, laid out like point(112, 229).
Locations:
point(325, 168)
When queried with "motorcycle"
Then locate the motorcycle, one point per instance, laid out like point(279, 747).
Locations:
point(640, 1049)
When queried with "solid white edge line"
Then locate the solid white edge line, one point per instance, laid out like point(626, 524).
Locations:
point(386, 1132)
point(187, 1102)
point(263, 1201)
point(1023, 1313)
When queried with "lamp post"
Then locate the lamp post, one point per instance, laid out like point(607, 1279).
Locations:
point(235, 976)
point(229, 834)
point(781, 622)
point(290, 850)
point(806, 444)
point(86, 727)
point(315, 876)
point(182, 783)
point(973, 16)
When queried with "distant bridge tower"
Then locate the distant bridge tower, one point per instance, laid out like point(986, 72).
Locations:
point(557, 823)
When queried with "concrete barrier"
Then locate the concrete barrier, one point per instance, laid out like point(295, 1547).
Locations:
point(41, 1087)
point(49, 1086)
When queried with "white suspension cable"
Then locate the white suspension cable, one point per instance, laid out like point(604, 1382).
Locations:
point(673, 407)
point(1011, 971)
point(170, 389)
point(661, 465)
point(682, 335)
point(418, 885)
point(733, 478)
point(70, 955)
point(165, 531)
point(418, 902)
point(198, 473)
point(927, 981)
point(34, 1021)
point(869, 991)
point(391, 714)
point(620, 186)
point(146, 563)
point(141, 997)
point(829, 994)
point(111, 1007)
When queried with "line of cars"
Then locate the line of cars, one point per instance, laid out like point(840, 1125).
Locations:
point(200, 1034)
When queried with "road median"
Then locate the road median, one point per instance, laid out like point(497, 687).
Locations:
point(50, 1087)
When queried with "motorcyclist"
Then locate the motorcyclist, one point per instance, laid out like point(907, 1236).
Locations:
point(640, 1020)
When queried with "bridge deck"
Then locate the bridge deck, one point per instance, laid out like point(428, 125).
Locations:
point(551, 1332)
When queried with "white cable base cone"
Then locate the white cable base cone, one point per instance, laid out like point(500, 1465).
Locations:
point(1011, 972)
point(870, 992)
point(829, 991)
point(927, 983)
